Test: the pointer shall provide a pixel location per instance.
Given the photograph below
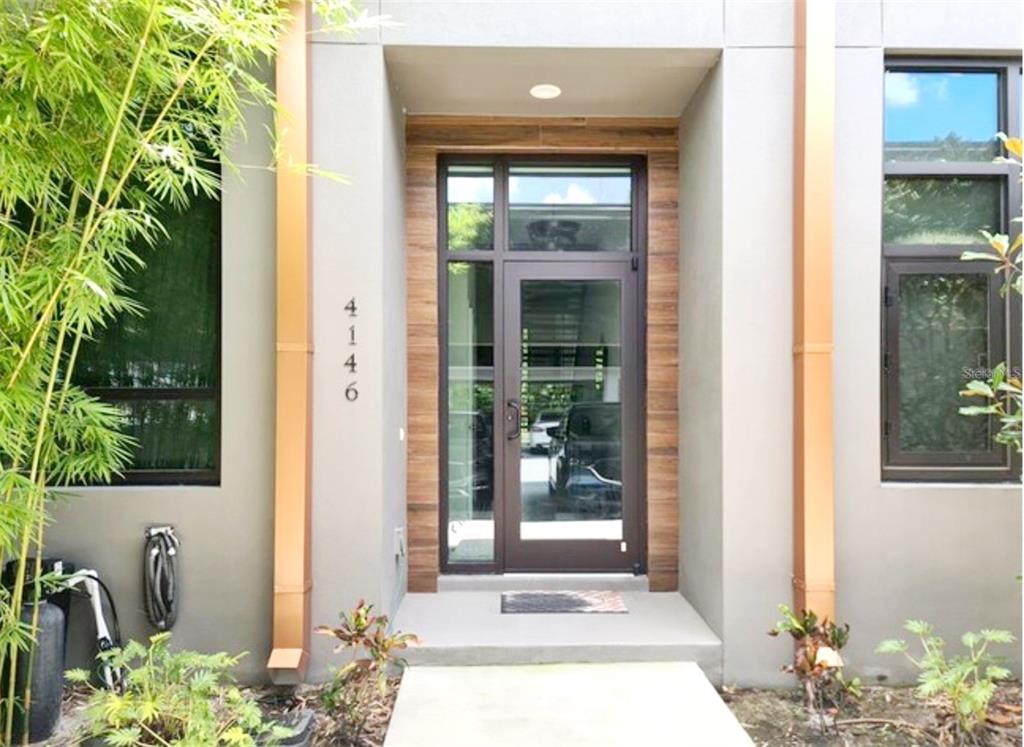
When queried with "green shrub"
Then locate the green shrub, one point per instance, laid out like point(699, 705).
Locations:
point(1002, 391)
point(817, 663)
point(173, 698)
point(374, 651)
point(964, 685)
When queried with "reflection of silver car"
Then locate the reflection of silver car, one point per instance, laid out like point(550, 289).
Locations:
point(539, 438)
point(594, 491)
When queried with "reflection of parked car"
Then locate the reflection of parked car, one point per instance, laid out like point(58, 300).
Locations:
point(553, 233)
point(585, 459)
point(539, 438)
point(470, 461)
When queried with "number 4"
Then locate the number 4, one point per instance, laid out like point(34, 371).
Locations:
point(350, 307)
point(350, 364)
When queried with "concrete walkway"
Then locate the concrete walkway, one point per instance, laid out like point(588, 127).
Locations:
point(655, 704)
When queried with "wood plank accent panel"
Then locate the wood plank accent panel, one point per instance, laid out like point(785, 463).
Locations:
point(423, 470)
point(655, 138)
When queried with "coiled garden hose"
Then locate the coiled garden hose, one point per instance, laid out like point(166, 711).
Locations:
point(160, 576)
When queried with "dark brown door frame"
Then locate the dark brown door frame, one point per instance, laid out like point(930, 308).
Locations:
point(571, 555)
point(500, 256)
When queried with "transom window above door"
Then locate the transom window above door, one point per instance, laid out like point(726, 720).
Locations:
point(520, 204)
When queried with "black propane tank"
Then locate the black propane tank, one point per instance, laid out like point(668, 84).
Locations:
point(47, 674)
point(48, 661)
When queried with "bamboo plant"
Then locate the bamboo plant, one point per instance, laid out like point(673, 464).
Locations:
point(110, 112)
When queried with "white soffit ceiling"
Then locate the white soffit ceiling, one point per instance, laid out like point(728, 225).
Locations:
point(594, 82)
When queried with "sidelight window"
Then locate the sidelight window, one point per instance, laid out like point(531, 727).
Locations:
point(470, 431)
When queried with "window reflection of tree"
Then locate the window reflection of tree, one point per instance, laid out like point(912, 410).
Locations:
point(470, 226)
point(939, 211)
point(952, 147)
point(943, 329)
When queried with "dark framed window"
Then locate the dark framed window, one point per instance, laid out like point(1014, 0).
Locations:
point(162, 367)
point(944, 321)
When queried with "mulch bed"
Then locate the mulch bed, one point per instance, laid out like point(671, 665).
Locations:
point(328, 732)
point(773, 718)
point(778, 718)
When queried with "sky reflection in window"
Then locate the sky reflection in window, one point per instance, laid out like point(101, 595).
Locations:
point(941, 116)
point(570, 208)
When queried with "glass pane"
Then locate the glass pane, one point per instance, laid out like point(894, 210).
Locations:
point(940, 211)
point(173, 434)
point(470, 194)
point(943, 332)
point(941, 116)
point(571, 428)
point(173, 344)
point(570, 208)
point(470, 497)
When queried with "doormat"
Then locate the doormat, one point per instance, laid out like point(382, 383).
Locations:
point(562, 602)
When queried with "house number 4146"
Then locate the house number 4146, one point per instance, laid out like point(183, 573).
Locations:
point(351, 391)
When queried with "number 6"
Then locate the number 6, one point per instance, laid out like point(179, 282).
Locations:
point(351, 393)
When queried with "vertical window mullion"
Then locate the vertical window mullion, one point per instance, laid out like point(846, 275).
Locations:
point(501, 190)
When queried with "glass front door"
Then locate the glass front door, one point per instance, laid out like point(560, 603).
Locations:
point(570, 432)
point(541, 409)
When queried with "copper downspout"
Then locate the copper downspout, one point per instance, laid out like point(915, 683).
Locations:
point(293, 431)
point(813, 200)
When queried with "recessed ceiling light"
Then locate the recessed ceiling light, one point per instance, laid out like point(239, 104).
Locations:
point(545, 91)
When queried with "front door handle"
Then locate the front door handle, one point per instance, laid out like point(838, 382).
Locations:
point(512, 415)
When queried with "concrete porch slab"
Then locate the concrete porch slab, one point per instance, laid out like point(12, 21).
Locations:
point(655, 704)
point(467, 628)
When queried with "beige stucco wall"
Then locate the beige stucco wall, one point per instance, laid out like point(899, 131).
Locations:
point(757, 370)
point(949, 554)
point(358, 248)
point(945, 553)
point(701, 153)
point(225, 563)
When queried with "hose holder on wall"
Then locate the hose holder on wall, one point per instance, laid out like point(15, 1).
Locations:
point(160, 576)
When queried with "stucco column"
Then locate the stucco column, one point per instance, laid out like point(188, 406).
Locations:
point(813, 196)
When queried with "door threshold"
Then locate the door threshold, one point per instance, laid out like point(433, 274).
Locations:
point(543, 582)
